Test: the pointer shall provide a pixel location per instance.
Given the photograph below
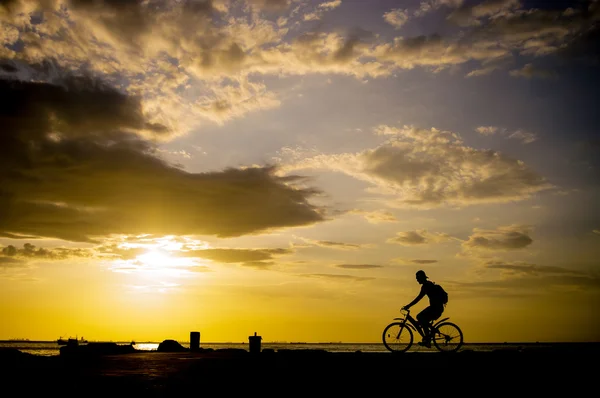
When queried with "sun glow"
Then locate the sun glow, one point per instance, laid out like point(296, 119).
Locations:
point(156, 270)
point(156, 265)
point(156, 259)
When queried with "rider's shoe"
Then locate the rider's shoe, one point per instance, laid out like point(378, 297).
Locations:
point(425, 343)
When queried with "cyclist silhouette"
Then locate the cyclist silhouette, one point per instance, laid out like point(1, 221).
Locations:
point(429, 314)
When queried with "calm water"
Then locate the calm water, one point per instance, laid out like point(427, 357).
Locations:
point(49, 348)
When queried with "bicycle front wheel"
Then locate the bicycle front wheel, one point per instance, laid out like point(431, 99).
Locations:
point(447, 337)
point(397, 337)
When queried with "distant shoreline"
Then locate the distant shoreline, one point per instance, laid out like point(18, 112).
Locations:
point(303, 342)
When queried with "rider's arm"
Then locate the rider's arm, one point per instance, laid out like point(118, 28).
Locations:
point(417, 299)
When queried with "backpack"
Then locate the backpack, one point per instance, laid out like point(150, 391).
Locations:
point(439, 295)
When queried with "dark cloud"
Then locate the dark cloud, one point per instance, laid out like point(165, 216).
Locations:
point(496, 30)
point(8, 67)
point(417, 261)
point(10, 262)
point(409, 238)
point(584, 47)
point(504, 238)
point(74, 165)
point(15, 236)
point(337, 245)
point(30, 251)
point(531, 269)
point(127, 20)
point(78, 106)
point(8, 5)
point(469, 13)
point(419, 237)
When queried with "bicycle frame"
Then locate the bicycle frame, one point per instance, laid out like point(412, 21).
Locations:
point(414, 324)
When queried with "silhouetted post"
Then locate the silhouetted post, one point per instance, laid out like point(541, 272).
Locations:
point(194, 341)
point(254, 343)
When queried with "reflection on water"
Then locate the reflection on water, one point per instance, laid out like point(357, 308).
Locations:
point(147, 346)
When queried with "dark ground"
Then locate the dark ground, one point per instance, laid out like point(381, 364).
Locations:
point(303, 372)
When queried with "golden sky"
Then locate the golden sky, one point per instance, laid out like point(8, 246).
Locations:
point(286, 166)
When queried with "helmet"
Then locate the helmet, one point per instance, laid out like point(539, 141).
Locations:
point(421, 274)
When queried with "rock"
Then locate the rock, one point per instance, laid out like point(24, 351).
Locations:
point(171, 346)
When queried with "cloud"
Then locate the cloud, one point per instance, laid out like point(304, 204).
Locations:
point(77, 106)
point(434, 51)
point(332, 245)
point(31, 252)
point(248, 257)
point(120, 251)
point(492, 32)
point(10, 262)
point(420, 261)
point(517, 283)
point(486, 70)
point(419, 237)
point(270, 4)
point(427, 6)
point(433, 168)
point(526, 137)
point(195, 62)
point(529, 71)
point(338, 277)
point(317, 14)
point(76, 162)
point(487, 130)
point(396, 17)
point(376, 217)
point(513, 237)
point(357, 266)
point(583, 46)
point(234, 101)
point(471, 13)
point(523, 268)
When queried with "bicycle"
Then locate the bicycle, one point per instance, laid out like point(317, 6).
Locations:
point(398, 336)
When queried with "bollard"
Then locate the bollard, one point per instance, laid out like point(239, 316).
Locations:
point(254, 343)
point(194, 341)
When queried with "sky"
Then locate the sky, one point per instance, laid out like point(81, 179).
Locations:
point(285, 167)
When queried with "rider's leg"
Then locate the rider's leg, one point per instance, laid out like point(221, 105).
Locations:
point(424, 319)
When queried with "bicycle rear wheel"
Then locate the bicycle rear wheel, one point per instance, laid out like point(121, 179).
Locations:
point(397, 337)
point(447, 337)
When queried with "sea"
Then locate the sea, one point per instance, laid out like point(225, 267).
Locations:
point(51, 348)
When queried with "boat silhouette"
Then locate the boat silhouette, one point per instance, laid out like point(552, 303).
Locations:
point(70, 340)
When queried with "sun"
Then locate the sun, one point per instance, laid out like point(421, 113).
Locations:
point(156, 258)
point(161, 260)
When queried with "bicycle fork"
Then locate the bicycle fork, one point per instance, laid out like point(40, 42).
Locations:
point(402, 326)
